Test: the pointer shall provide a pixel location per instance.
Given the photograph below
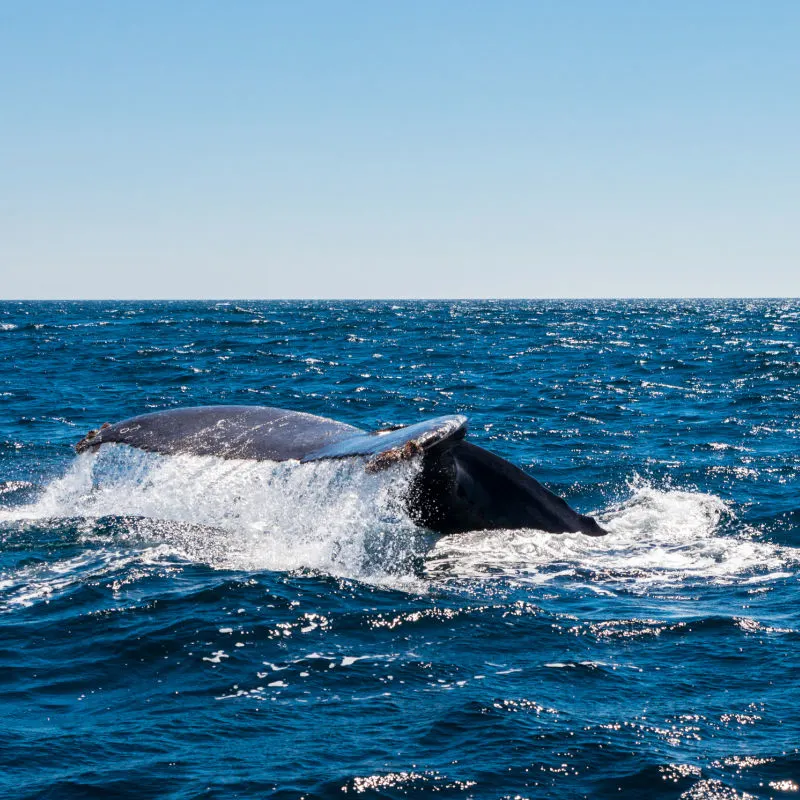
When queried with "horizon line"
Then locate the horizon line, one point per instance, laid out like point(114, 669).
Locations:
point(381, 299)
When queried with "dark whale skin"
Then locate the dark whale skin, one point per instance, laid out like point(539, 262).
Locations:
point(464, 487)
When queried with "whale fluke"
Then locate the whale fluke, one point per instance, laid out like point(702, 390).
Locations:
point(461, 486)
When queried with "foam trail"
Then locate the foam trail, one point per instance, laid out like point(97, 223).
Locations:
point(330, 516)
point(655, 537)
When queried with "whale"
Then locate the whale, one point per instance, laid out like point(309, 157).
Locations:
point(459, 486)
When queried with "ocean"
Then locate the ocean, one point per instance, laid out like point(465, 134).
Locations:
point(183, 627)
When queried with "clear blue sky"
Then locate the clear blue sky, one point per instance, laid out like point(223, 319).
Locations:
point(399, 149)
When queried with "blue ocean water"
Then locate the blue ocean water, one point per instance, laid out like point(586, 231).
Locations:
point(181, 627)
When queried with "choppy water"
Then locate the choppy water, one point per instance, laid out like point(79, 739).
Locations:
point(181, 627)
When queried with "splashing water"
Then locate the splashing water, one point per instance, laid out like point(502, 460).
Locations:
point(336, 518)
point(327, 516)
point(655, 537)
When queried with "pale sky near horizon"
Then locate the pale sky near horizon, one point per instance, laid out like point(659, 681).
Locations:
point(399, 149)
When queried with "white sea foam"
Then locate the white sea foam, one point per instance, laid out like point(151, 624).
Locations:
point(336, 518)
point(329, 516)
point(655, 537)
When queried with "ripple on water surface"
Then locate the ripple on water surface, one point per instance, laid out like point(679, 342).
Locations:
point(238, 629)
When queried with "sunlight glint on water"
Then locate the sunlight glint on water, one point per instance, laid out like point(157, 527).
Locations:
point(175, 627)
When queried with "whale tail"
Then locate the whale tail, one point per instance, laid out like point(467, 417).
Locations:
point(464, 487)
point(461, 486)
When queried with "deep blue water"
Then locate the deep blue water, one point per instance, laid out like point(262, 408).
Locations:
point(181, 627)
